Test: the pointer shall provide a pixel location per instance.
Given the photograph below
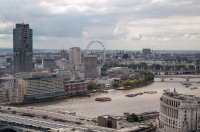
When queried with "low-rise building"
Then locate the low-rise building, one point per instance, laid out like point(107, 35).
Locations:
point(3, 91)
point(109, 121)
point(4, 70)
point(116, 71)
point(76, 87)
point(48, 63)
point(179, 113)
point(64, 65)
point(10, 91)
point(119, 123)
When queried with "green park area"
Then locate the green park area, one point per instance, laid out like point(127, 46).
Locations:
point(146, 78)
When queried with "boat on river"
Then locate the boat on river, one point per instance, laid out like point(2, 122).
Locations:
point(140, 93)
point(186, 83)
point(152, 92)
point(103, 99)
point(131, 95)
point(193, 88)
point(70, 113)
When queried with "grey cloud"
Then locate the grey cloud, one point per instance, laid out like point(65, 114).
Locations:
point(138, 36)
point(90, 19)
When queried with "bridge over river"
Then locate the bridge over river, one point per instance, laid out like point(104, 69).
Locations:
point(187, 76)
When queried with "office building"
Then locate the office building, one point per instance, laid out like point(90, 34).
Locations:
point(14, 91)
point(179, 113)
point(3, 91)
point(64, 65)
point(90, 64)
point(22, 48)
point(146, 51)
point(63, 54)
point(75, 87)
point(2, 61)
point(117, 71)
point(48, 63)
point(10, 91)
point(41, 87)
point(4, 70)
point(75, 55)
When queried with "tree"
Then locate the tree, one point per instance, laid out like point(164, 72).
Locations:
point(44, 117)
point(98, 85)
point(132, 117)
point(141, 118)
point(115, 85)
point(93, 85)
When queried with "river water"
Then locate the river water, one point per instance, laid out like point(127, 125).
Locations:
point(88, 107)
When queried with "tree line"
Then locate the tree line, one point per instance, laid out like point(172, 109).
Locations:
point(147, 77)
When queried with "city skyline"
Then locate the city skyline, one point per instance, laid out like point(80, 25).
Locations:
point(128, 25)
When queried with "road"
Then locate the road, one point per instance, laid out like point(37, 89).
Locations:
point(41, 113)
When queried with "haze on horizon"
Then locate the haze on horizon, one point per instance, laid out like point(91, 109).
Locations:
point(127, 24)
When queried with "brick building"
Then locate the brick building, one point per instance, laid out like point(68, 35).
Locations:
point(76, 87)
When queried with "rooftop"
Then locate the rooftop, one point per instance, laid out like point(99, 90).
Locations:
point(174, 94)
point(41, 77)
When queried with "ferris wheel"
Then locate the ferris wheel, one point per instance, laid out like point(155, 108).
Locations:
point(101, 44)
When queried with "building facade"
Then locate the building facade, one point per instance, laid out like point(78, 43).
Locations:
point(179, 113)
point(146, 51)
point(48, 63)
point(62, 54)
point(90, 64)
point(109, 121)
point(4, 70)
point(75, 55)
point(10, 91)
point(22, 48)
point(76, 87)
point(116, 71)
point(3, 91)
point(64, 65)
point(41, 87)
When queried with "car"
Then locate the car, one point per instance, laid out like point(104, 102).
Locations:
point(94, 120)
point(82, 118)
point(9, 108)
point(88, 120)
point(77, 118)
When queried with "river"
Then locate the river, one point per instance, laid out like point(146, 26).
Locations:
point(88, 107)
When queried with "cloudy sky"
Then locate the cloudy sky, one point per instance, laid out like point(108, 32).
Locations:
point(118, 24)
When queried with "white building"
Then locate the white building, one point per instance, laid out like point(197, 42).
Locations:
point(64, 65)
point(75, 55)
point(10, 91)
point(179, 113)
